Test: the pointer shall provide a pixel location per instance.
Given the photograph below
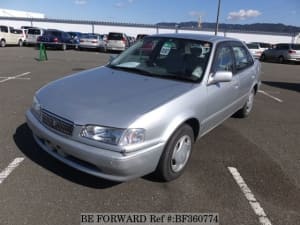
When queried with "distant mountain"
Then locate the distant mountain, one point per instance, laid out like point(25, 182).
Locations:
point(261, 27)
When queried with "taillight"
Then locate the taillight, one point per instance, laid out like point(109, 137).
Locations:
point(81, 40)
point(124, 40)
point(292, 52)
point(55, 39)
point(94, 42)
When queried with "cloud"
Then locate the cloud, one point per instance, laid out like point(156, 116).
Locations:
point(194, 14)
point(123, 4)
point(119, 4)
point(80, 2)
point(243, 14)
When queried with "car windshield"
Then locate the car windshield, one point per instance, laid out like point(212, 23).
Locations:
point(169, 58)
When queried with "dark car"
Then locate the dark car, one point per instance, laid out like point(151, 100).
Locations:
point(57, 39)
point(76, 37)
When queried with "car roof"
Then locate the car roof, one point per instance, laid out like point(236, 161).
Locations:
point(200, 37)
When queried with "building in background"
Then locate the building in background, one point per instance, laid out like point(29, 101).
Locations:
point(21, 14)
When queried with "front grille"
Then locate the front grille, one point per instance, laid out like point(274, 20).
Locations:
point(57, 123)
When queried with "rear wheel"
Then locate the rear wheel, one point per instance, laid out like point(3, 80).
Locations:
point(263, 57)
point(247, 108)
point(2, 43)
point(176, 154)
point(281, 59)
point(20, 43)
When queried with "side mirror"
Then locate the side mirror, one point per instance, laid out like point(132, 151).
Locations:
point(220, 76)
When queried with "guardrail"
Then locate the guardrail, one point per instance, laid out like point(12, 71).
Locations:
point(141, 25)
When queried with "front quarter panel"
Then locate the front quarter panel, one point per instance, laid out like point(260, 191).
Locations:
point(161, 122)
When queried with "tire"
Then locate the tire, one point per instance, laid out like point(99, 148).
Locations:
point(2, 43)
point(176, 154)
point(281, 59)
point(263, 57)
point(247, 108)
point(20, 43)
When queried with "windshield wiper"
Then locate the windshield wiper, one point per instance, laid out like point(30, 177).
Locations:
point(131, 69)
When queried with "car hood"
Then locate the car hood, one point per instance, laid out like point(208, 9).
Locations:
point(107, 97)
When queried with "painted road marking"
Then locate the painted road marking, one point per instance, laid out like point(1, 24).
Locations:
point(13, 165)
point(19, 76)
point(258, 210)
point(271, 96)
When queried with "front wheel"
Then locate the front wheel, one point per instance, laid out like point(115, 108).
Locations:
point(247, 108)
point(176, 154)
point(20, 43)
point(2, 43)
point(263, 57)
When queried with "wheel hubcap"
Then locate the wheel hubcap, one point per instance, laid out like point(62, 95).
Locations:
point(181, 153)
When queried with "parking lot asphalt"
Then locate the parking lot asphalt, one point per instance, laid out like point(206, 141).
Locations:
point(264, 148)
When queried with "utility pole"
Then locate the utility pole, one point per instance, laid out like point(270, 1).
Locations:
point(217, 22)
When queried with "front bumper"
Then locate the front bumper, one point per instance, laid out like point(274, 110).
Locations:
point(92, 160)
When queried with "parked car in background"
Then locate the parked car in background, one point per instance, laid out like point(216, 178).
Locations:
point(76, 38)
point(23, 34)
point(57, 39)
point(255, 50)
point(144, 110)
point(141, 36)
point(9, 36)
point(131, 40)
point(283, 52)
point(117, 41)
point(92, 41)
point(263, 45)
point(32, 35)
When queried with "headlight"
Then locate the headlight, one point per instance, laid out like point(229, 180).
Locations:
point(36, 107)
point(115, 136)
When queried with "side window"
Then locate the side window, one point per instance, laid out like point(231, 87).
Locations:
point(223, 59)
point(4, 29)
point(242, 58)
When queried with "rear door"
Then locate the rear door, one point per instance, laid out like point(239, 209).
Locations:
point(244, 70)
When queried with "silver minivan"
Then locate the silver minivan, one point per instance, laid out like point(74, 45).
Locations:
point(142, 112)
point(32, 35)
point(284, 52)
point(117, 41)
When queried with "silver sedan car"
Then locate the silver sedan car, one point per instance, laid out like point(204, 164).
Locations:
point(142, 112)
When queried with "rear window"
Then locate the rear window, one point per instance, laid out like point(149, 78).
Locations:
point(115, 36)
point(265, 45)
point(296, 47)
point(252, 46)
point(34, 31)
point(54, 33)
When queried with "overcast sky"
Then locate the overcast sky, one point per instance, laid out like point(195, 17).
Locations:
point(154, 11)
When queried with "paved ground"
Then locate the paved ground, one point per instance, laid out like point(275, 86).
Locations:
point(264, 148)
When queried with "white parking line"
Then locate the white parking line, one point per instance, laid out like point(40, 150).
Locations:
point(19, 76)
point(14, 164)
point(258, 210)
point(271, 96)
